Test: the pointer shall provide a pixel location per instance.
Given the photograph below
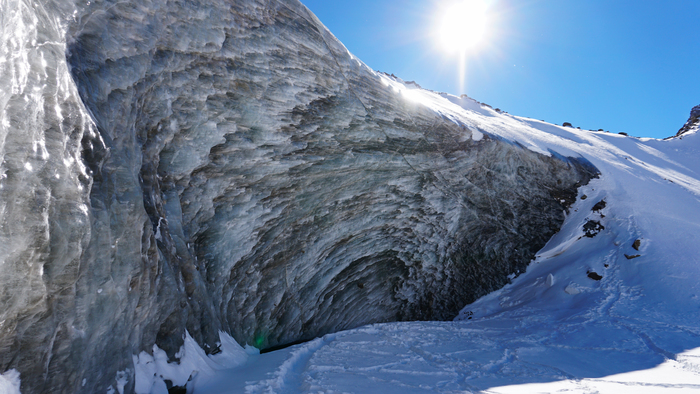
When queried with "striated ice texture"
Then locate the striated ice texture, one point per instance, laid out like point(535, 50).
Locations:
point(45, 220)
point(229, 166)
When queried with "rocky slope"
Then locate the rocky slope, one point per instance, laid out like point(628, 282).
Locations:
point(229, 166)
point(693, 123)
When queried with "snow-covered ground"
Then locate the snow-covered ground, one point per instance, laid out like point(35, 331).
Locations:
point(616, 311)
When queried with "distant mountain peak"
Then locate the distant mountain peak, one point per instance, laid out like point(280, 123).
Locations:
point(693, 122)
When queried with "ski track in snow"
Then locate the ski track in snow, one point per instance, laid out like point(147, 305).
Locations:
point(554, 328)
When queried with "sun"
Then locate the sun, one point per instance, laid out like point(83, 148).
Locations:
point(462, 26)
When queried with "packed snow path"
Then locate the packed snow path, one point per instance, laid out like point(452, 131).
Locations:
point(582, 355)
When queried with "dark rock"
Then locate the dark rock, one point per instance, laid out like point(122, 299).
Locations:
point(414, 83)
point(592, 228)
point(567, 124)
point(693, 122)
point(175, 389)
point(622, 133)
point(632, 256)
point(637, 244)
point(599, 206)
point(584, 197)
point(594, 275)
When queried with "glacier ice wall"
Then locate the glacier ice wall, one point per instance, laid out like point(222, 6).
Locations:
point(172, 165)
point(44, 194)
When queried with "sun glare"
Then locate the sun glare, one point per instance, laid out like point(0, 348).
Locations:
point(463, 26)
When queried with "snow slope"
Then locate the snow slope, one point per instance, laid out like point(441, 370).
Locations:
point(587, 316)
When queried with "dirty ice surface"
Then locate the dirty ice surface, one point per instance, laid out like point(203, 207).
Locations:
point(610, 305)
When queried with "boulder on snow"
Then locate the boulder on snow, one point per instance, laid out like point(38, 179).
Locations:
point(550, 280)
point(594, 275)
point(592, 228)
point(572, 289)
point(637, 244)
point(599, 206)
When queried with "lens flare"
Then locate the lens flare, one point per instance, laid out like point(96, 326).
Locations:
point(463, 26)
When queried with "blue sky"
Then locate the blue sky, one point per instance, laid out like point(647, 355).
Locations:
point(619, 65)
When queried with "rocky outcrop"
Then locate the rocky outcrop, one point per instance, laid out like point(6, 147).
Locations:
point(693, 122)
point(230, 166)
